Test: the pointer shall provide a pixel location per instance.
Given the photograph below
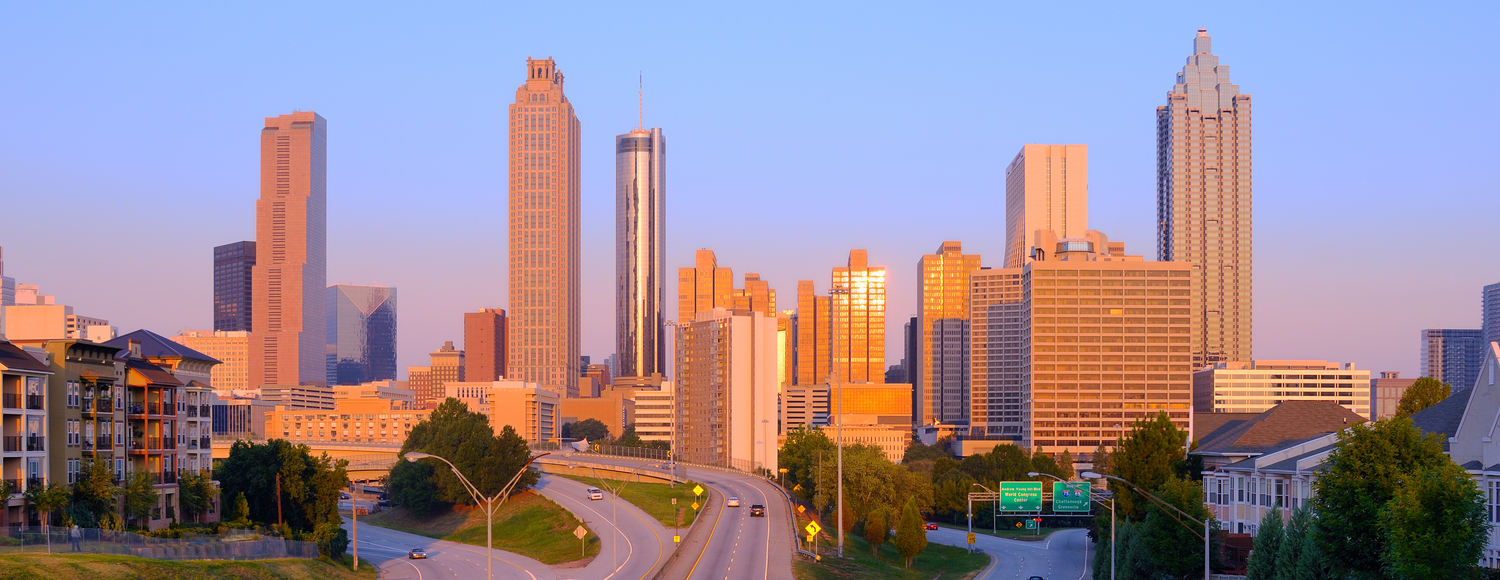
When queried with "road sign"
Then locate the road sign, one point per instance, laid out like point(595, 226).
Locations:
point(1031, 524)
point(1020, 496)
point(695, 505)
point(797, 487)
point(697, 490)
point(676, 539)
point(971, 537)
point(801, 509)
point(813, 528)
point(674, 501)
point(580, 532)
point(810, 538)
point(1071, 496)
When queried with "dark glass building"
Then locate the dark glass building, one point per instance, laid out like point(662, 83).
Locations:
point(1453, 355)
point(232, 264)
point(361, 334)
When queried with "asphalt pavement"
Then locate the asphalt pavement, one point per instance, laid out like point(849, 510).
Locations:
point(387, 550)
point(633, 551)
point(1062, 556)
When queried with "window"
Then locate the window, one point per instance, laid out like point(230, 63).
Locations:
point(119, 435)
point(1241, 482)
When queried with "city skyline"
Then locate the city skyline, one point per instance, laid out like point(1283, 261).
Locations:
point(1297, 292)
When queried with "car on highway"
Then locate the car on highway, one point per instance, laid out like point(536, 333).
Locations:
point(416, 554)
point(932, 525)
point(732, 502)
point(594, 493)
point(1036, 578)
point(757, 511)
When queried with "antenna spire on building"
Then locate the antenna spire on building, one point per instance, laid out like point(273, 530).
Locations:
point(640, 93)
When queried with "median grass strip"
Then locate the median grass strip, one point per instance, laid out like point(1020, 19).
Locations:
point(653, 498)
point(937, 562)
point(110, 567)
point(528, 524)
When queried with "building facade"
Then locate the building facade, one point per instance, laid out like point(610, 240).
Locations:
point(361, 334)
point(291, 243)
point(1046, 188)
point(997, 409)
point(727, 390)
point(615, 408)
point(1385, 394)
point(655, 412)
point(857, 321)
point(544, 210)
point(484, 344)
point(231, 348)
point(24, 382)
point(1255, 386)
point(234, 265)
point(1203, 196)
point(1490, 313)
point(703, 287)
point(1452, 355)
point(812, 351)
point(193, 425)
point(941, 392)
point(640, 253)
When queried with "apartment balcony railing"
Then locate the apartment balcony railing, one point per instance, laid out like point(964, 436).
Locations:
point(12, 400)
point(204, 442)
point(36, 443)
point(103, 442)
point(35, 482)
point(36, 402)
point(192, 411)
point(105, 405)
point(88, 444)
point(14, 484)
point(168, 443)
point(205, 410)
point(192, 444)
point(153, 408)
point(137, 409)
point(13, 443)
point(163, 478)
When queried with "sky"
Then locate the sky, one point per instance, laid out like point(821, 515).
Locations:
point(797, 131)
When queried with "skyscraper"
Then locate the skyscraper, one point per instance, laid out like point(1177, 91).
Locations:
point(361, 334)
point(997, 408)
point(812, 335)
point(1490, 306)
point(857, 320)
point(1203, 196)
point(484, 345)
point(1453, 355)
point(288, 344)
point(1046, 188)
point(727, 389)
point(233, 286)
point(943, 336)
point(702, 288)
point(640, 252)
point(757, 295)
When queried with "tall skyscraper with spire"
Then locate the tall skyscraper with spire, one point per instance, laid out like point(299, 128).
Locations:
point(640, 254)
point(289, 279)
point(544, 200)
point(1203, 196)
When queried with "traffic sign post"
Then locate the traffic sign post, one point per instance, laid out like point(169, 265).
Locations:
point(812, 536)
point(583, 546)
point(1071, 496)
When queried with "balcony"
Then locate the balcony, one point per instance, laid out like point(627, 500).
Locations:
point(105, 406)
point(13, 443)
point(153, 408)
point(35, 482)
point(153, 443)
point(12, 400)
point(203, 442)
point(136, 409)
point(103, 442)
point(192, 411)
point(36, 402)
point(36, 443)
point(168, 443)
point(164, 478)
point(15, 485)
point(192, 444)
point(205, 411)
point(88, 444)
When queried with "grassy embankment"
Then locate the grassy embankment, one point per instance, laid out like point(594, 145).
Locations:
point(937, 562)
point(653, 498)
point(528, 524)
point(110, 567)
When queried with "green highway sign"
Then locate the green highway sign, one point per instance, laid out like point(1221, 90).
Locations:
point(1031, 524)
point(1020, 496)
point(1070, 496)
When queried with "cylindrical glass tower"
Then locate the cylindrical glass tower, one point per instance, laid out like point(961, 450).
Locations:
point(640, 252)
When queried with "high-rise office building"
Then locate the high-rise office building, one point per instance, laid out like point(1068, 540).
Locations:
point(942, 388)
point(7, 292)
point(1490, 306)
point(1203, 195)
point(995, 323)
point(727, 389)
point(361, 334)
point(231, 348)
point(484, 345)
point(857, 320)
point(1046, 188)
point(640, 252)
point(702, 288)
point(1386, 393)
point(446, 365)
point(288, 343)
point(1256, 386)
point(812, 335)
point(756, 296)
point(544, 205)
point(1453, 355)
point(233, 286)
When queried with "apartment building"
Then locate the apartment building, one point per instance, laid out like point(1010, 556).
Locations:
point(23, 392)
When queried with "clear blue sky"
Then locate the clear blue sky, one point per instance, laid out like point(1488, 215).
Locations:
point(796, 133)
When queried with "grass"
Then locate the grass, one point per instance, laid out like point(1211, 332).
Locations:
point(528, 524)
point(937, 562)
point(653, 498)
point(110, 567)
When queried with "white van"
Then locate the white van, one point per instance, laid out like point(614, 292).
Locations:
point(594, 493)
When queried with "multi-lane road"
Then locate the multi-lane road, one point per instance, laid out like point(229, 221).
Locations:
point(1062, 556)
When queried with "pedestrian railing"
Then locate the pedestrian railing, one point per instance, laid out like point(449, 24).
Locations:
point(240, 545)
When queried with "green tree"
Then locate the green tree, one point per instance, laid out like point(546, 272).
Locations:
point(309, 486)
point(410, 486)
point(590, 429)
point(1148, 456)
point(140, 497)
point(877, 528)
point(1361, 475)
point(96, 489)
point(239, 515)
point(911, 533)
point(950, 495)
point(629, 438)
point(1311, 564)
point(1065, 465)
point(1292, 541)
point(799, 455)
point(1266, 554)
point(1423, 393)
point(46, 500)
point(1171, 543)
point(332, 540)
point(467, 440)
point(1437, 524)
point(916, 451)
point(196, 493)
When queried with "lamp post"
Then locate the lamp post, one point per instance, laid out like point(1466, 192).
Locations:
point(675, 450)
point(1207, 574)
point(1111, 519)
point(839, 408)
point(614, 547)
point(488, 503)
point(994, 527)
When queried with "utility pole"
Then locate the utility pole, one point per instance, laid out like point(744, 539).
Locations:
point(839, 407)
point(278, 501)
point(354, 514)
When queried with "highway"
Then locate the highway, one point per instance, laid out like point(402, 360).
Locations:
point(387, 549)
point(1063, 556)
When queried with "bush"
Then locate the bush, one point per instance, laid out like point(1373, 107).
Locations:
point(332, 540)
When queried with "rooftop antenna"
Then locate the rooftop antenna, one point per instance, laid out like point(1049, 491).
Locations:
point(640, 93)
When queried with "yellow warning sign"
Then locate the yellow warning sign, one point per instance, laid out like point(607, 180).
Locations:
point(695, 505)
point(971, 537)
point(697, 490)
point(678, 539)
point(813, 528)
point(801, 509)
point(809, 538)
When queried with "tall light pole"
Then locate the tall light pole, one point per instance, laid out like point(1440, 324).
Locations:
point(839, 407)
point(1111, 518)
point(489, 504)
point(614, 546)
point(675, 450)
point(1207, 574)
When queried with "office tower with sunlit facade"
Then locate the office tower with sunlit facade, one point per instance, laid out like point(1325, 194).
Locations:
point(640, 255)
point(940, 392)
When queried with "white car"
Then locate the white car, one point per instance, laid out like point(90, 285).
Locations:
point(732, 502)
point(594, 493)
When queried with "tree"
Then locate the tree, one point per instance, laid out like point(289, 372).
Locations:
point(331, 538)
point(410, 487)
point(140, 496)
point(1148, 456)
point(1265, 556)
point(1311, 565)
point(1065, 465)
point(1171, 543)
point(950, 495)
point(1361, 475)
point(877, 528)
point(309, 486)
point(1292, 541)
point(467, 440)
point(916, 451)
point(1437, 525)
point(1423, 393)
point(196, 493)
point(96, 490)
point(911, 533)
point(629, 438)
point(239, 515)
point(590, 429)
point(799, 455)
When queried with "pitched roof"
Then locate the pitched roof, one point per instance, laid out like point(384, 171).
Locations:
point(12, 357)
point(1206, 425)
point(1444, 416)
point(1288, 423)
point(153, 373)
point(154, 345)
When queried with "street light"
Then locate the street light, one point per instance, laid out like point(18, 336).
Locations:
point(675, 450)
point(1111, 516)
point(994, 515)
point(1161, 502)
point(614, 547)
point(488, 503)
point(839, 408)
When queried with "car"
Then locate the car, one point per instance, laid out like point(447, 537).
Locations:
point(343, 496)
point(1036, 578)
point(932, 525)
point(416, 554)
point(732, 502)
point(757, 511)
point(594, 494)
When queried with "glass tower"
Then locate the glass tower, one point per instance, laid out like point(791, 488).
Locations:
point(361, 334)
point(640, 252)
point(232, 285)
